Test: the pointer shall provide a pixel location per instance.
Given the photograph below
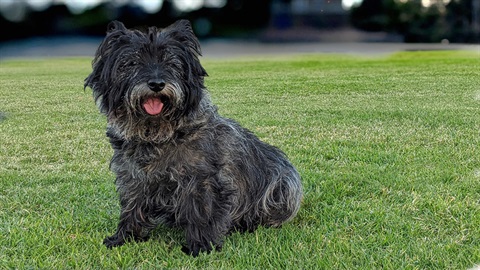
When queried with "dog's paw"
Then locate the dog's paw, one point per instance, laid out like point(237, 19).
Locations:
point(113, 241)
point(118, 239)
point(195, 249)
point(188, 251)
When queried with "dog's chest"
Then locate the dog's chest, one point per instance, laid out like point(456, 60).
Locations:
point(160, 162)
point(149, 158)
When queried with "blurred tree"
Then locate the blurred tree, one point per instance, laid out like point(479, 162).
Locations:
point(372, 15)
point(462, 25)
point(416, 22)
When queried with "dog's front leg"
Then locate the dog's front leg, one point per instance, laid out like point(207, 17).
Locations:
point(132, 225)
point(205, 215)
point(201, 239)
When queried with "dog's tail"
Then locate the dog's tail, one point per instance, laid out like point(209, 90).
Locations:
point(282, 198)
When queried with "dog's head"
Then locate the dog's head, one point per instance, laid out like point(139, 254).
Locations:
point(150, 74)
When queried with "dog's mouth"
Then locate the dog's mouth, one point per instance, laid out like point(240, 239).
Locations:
point(153, 105)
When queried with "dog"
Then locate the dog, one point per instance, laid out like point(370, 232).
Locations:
point(177, 161)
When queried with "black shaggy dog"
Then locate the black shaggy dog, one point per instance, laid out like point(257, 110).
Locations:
point(176, 160)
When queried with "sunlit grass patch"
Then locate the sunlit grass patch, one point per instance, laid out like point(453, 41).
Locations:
point(388, 150)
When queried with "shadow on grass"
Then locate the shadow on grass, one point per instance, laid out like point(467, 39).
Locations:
point(3, 116)
point(174, 237)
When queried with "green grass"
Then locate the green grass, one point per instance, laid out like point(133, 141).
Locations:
point(388, 149)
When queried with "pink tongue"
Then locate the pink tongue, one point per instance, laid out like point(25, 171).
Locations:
point(153, 106)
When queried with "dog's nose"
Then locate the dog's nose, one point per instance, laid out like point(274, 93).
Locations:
point(156, 85)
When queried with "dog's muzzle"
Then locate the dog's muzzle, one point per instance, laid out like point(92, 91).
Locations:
point(155, 96)
point(154, 105)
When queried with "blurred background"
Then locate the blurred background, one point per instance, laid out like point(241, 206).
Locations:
point(266, 21)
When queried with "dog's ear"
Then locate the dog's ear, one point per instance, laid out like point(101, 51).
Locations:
point(182, 32)
point(104, 65)
point(115, 26)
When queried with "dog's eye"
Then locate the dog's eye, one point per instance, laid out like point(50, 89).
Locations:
point(124, 65)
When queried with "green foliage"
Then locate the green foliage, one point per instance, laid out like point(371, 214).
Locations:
point(452, 20)
point(387, 149)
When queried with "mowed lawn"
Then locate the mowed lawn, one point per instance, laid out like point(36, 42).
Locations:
point(388, 149)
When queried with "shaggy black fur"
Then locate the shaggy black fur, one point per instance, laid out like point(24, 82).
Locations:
point(176, 160)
